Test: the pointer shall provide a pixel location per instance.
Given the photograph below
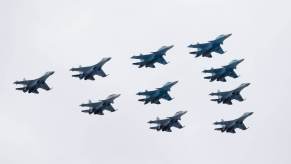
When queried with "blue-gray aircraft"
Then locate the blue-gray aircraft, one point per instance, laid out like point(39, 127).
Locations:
point(227, 96)
point(100, 106)
point(32, 86)
point(205, 49)
point(149, 60)
point(154, 96)
point(219, 74)
point(230, 126)
point(167, 123)
point(90, 71)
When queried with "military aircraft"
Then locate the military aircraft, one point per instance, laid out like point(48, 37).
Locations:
point(149, 60)
point(100, 106)
point(167, 123)
point(205, 49)
point(227, 96)
point(32, 86)
point(89, 71)
point(219, 74)
point(160, 93)
point(230, 126)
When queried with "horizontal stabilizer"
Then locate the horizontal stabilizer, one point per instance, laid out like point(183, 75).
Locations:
point(24, 89)
point(217, 100)
point(220, 129)
point(156, 128)
point(78, 75)
point(208, 77)
point(137, 63)
point(138, 57)
point(87, 111)
point(193, 52)
point(141, 99)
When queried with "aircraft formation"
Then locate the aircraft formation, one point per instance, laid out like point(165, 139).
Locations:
point(161, 93)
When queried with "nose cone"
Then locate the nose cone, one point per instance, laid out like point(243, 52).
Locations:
point(113, 96)
point(168, 85)
point(107, 59)
point(169, 47)
point(174, 83)
point(50, 73)
point(247, 114)
point(241, 60)
point(183, 112)
point(227, 35)
point(179, 114)
point(245, 84)
point(221, 38)
point(236, 62)
point(166, 48)
point(116, 95)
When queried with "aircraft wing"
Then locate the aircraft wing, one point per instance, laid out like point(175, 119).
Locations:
point(35, 91)
point(238, 97)
point(141, 56)
point(231, 130)
point(242, 126)
point(101, 73)
point(233, 74)
point(219, 50)
point(199, 45)
point(216, 70)
point(219, 94)
point(45, 86)
point(162, 61)
point(110, 108)
point(93, 105)
point(223, 122)
point(177, 125)
point(227, 101)
point(167, 97)
point(80, 69)
point(24, 82)
point(158, 121)
point(146, 93)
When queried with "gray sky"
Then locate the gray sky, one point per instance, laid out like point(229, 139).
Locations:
point(39, 36)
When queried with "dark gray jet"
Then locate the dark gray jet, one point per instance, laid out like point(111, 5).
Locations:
point(90, 71)
point(227, 96)
point(230, 126)
point(167, 123)
point(205, 49)
point(160, 93)
point(100, 106)
point(149, 60)
point(32, 86)
point(219, 74)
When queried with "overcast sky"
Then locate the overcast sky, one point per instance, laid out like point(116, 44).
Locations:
point(39, 36)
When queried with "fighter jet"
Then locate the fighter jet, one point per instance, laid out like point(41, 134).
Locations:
point(160, 93)
point(89, 71)
point(219, 74)
point(227, 96)
point(32, 86)
point(205, 49)
point(167, 123)
point(230, 126)
point(149, 60)
point(100, 106)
